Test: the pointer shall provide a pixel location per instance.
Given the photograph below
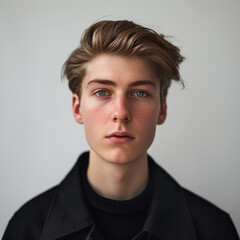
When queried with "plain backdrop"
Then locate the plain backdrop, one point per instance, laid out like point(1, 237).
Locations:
point(39, 139)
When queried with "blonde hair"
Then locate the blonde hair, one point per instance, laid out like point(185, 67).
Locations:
point(124, 38)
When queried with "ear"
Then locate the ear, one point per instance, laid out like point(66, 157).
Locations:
point(76, 109)
point(163, 111)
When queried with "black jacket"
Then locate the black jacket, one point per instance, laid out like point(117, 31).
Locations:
point(174, 213)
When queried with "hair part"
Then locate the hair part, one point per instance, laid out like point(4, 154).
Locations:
point(124, 38)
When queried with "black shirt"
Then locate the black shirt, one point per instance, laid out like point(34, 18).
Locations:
point(118, 220)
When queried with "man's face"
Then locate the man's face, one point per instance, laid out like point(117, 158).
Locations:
point(119, 107)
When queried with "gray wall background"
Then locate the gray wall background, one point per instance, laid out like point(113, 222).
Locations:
point(39, 139)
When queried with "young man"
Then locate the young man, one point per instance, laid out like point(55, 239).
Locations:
point(119, 77)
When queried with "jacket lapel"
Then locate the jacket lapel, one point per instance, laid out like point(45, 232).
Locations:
point(69, 212)
point(169, 215)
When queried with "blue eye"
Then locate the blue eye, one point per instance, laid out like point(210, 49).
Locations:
point(141, 94)
point(101, 93)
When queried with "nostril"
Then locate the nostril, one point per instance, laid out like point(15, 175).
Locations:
point(121, 116)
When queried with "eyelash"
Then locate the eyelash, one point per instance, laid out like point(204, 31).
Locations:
point(146, 94)
point(101, 90)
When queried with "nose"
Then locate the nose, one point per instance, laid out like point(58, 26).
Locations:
point(121, 110)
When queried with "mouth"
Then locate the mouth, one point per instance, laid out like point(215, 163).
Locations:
point(120, 137)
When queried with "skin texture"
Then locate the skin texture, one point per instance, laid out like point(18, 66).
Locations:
point(120, 108)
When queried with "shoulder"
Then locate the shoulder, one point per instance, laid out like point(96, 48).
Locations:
point(209, 220)
point(28, 221)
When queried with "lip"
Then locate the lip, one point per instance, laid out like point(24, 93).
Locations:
point(120, 137)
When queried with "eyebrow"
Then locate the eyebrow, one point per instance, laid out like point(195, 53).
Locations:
point(111, 83)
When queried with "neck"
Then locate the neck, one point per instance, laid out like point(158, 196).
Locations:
point(117, 181)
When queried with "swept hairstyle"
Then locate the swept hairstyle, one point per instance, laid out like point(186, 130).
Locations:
point(124, 38)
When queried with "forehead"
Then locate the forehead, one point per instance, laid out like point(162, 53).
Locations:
point(121, 70)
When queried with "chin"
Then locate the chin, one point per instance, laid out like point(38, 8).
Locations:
point(120, 156)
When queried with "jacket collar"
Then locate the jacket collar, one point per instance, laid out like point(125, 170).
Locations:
point(169, 216)
point(69, 212)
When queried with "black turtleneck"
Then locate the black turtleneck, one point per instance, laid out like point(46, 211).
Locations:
point(116, 219)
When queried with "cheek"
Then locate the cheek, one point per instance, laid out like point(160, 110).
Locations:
point(148, 115)
point(94, 118)
point(91, 112)
point(146, 121)
point(91, 124)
